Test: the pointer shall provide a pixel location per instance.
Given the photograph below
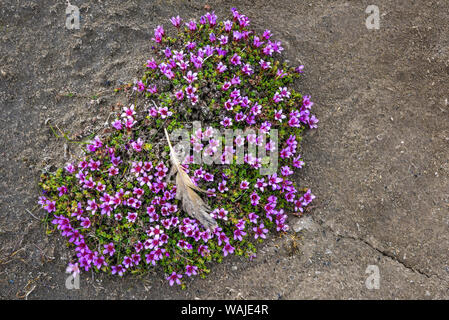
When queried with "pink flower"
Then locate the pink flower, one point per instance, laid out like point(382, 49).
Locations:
point(236, 59)
point(191, 25)
point(247, 69)
point(50, 206)
point(228, 25)
point(174, 277)
point(113, 171)
point(128, 112)
point(227, 249)
point(212, 37)
point(239, 234)
point(297, 162)
point(278, 115)
point(191, 270)
point(260, 231)
point(190, 77)
point(286, 171)
point(109, 249)
point(132, 216)
point(151, 64)
point(244, 185)
point(300, 69)
point(313, 122)
point(117, 124)
point(308, 197)
point(176, 21)
point(221, 67)
point(226, 122)
point(226, 86)
point(235, 80)
point(152, 89)
point(254, 198)
point(222, 186)
point(267, 34)
point(283, 91)
point(73, 268)
point(179, 95)
point(223, 40)
point(85, 222)
point(277, 98)
point(118, 270)
point(139, 86)
point(70, 168)
point(261, 184)
point(253, 217)
point(137, 145)
point(164, 112)
point(99, 261)
point(62, 190)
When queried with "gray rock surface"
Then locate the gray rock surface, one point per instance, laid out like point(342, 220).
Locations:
point(378, 163)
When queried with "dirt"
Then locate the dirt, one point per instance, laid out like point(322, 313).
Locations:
point(378, 162)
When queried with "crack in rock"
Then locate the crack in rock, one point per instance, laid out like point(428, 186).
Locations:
point(382, 252)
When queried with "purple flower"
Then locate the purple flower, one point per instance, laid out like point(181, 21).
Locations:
point(313, 122)
point(203, 250)
point(222, 186)
point(286, 171)
point(244, 185)
point(73, 268)
point(308, 197)
point(236, 59)
point(117, 124)
point(99, 261)
point(226, 122)
point(278, 115)
point(191, 270)
point(297, 162)
point(190, 77)
point(221, 67)
point(127, 262)
point(247, 69)
point(62, 190)
point(50, 206)
point(191, 25)
point(164, 112)
point(267, 34)
point(167, 52)
point(70, 168)
point(254, 198)
point(118, 270)
point(223, 40)
point(85, 222)
point(260, 231)
point(113, 171)
point(235, 80)
point(253, 217)
point(174, 277)
point(306, 102)
point(176, 21)
point(212, 18)
point(135, 258)
point(228, 25)
point(228, 249)
point(179, 95)
point(239, 234)
point(151, 64)
point(261, 184)
point(299, 69)
point(109, 249)
point(132, 216)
